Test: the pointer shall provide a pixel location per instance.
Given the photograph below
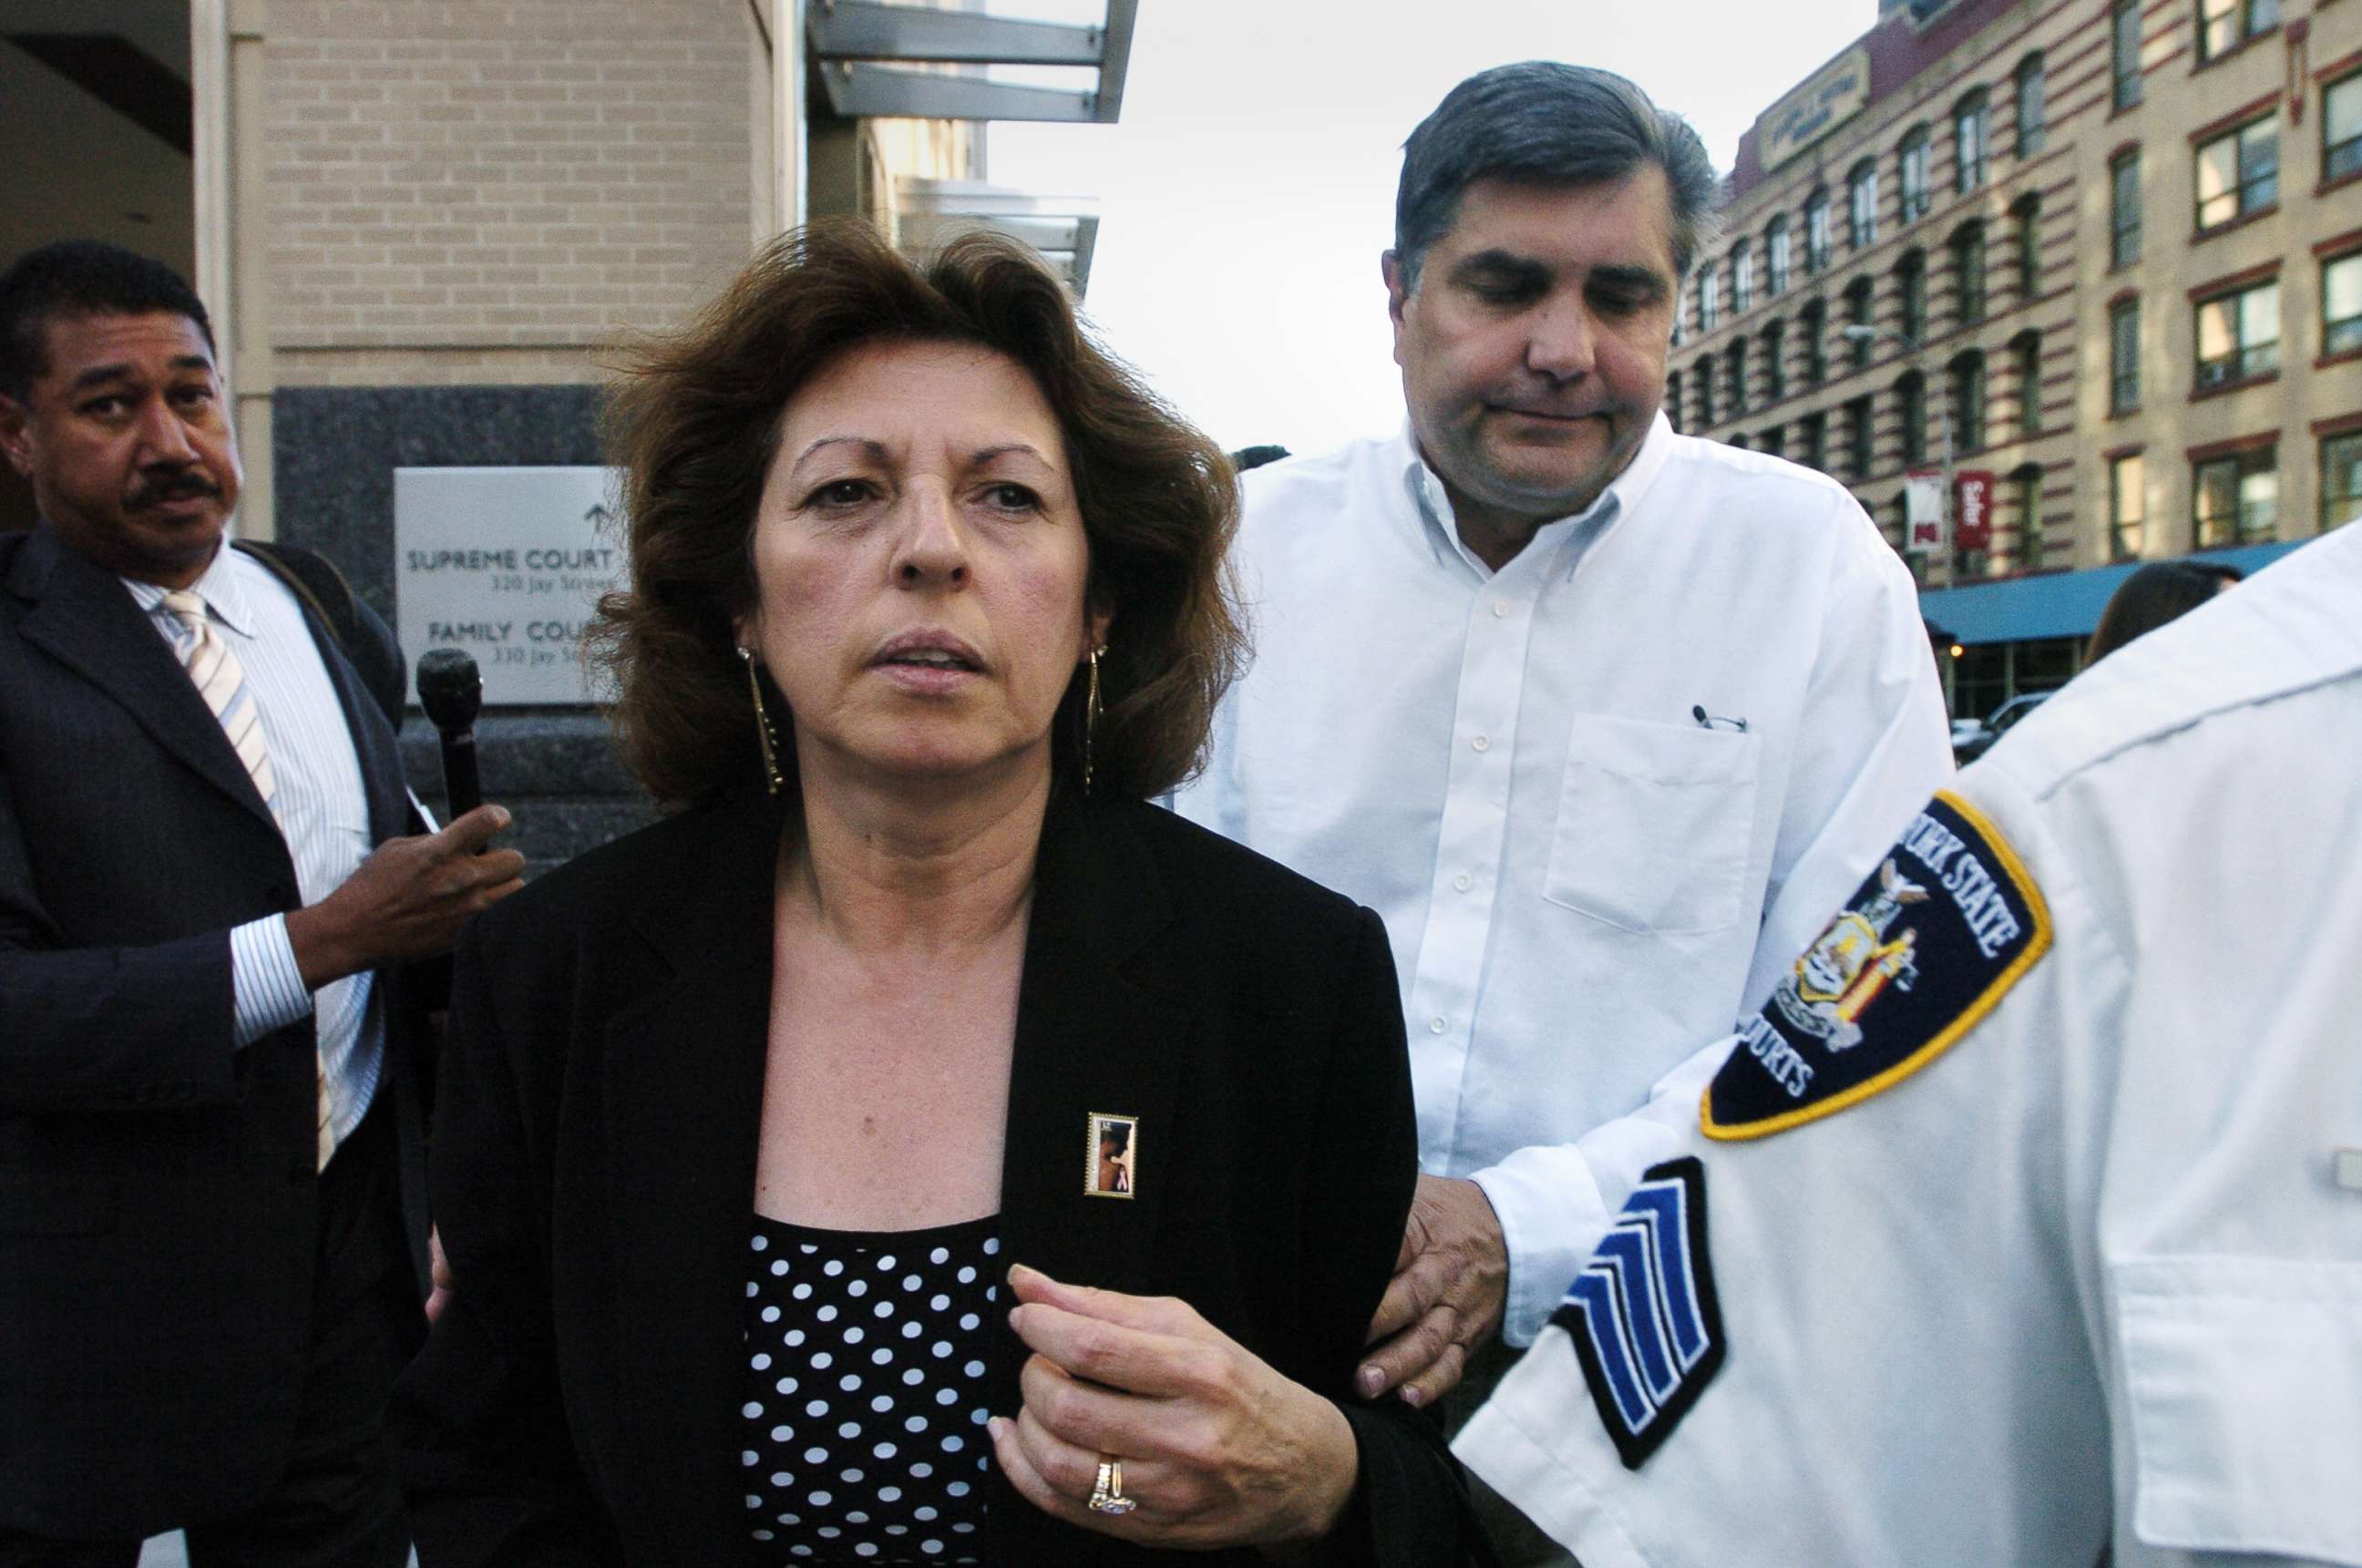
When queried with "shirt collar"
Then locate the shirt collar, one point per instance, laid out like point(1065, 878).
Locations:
point(218, 586)
point(1424, 489)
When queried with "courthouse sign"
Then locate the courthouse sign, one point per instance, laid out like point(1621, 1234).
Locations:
point(1831, 96)
point(506, 564)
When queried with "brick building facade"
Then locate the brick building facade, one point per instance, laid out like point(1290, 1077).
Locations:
point(2109, 251)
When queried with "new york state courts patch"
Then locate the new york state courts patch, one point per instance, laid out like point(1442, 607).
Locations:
point(1931, 942)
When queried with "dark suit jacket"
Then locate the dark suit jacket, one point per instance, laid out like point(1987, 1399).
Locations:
point(594, 1152)
point(157, 1187)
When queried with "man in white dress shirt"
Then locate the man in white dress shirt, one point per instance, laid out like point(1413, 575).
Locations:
point(1601, 719)
point(2029, 1209)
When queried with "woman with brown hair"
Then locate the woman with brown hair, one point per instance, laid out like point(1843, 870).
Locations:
point(2156, 593)
point(749, 1116)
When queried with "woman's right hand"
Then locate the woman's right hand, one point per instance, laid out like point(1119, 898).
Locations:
point(1218, 1449)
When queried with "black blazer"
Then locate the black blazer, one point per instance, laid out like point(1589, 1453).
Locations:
point(157, 1188)
point(593, 1172)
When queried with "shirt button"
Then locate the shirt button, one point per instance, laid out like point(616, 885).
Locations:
point(1500, 610)
point(1436, 1025)
point(1481, 742)
point(1463, 881)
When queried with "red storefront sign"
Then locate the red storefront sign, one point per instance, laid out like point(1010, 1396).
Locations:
point(1972, 503)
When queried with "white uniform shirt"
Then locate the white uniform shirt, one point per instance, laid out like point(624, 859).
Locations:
point(1581, 880)
point(321, 809)
point(2095, 1269)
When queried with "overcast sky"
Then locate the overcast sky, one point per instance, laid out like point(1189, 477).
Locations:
point(1248, 188)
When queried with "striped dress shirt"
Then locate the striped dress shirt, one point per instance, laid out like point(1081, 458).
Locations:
point(321, 809)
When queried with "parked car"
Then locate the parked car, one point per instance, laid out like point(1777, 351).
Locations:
point(1972, 738)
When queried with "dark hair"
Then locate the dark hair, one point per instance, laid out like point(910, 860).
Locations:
point(77, 278)
point(1556, 124)
point(2157, 593)
point(695, 422)
point(1116, 1133)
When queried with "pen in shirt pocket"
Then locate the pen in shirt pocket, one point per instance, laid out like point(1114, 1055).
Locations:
point(1714, 721)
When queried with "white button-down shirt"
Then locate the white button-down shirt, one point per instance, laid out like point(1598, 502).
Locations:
point(2095, 1270)
point(1599, 797)
point(321, 808)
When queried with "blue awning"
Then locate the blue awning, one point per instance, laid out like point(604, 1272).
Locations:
point(2056, 604)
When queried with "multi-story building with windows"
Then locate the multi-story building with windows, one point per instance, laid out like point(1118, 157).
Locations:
point(2107, 251)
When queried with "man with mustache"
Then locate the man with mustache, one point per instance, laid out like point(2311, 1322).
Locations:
point(212, 1235)
point(1602, 719)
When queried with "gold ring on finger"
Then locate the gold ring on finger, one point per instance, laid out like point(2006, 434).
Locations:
point(1106, 1493)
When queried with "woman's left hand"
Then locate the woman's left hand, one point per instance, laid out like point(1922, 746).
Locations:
point(1216, 1448)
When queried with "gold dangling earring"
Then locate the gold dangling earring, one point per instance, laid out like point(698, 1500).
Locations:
point(765, 737)
point(1090, 718)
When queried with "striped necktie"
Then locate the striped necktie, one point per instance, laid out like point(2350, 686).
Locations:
point(221, 681)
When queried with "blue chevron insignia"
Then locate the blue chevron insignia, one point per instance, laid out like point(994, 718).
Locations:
point(1643, 1315)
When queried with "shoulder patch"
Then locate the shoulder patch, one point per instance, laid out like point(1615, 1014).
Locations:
point(1643, 1315)
point(1933, 938)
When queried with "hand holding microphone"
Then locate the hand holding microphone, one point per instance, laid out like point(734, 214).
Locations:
point(408, 899)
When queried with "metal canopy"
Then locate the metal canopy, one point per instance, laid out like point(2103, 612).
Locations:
point(861, 46)
point(1065, 229)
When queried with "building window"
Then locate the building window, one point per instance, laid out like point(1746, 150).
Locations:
point(2224, 25)
point(2341, 305)
point(1673, 399)
point(1968, 143)
point(1969, 274)
point(1776, 256)
point(1705, 394)
point(1817, 232)
point(1857, 439)
point(1861, 204)
point(2341, 479)
point(2235, 500)
point(1916, 197)
point(2123, 356)
point(1911, 394)
point(1709, 305)
point(2124, 52)
point(2239, 335)
point(1737, 360)
point(2026, 498)
point(1775, 371)
point(1742, 278)
point(2026, 349)
point(1911, 283)
point(1968, 402)
point(2028, 214)
point(2239, 172)
point(2127, 506)
point(2341, 128)
point(2029, 106)
point(1857, 313)
point(1813, 323)
point(2124, 209)
point(1815, 435)
point(1770, 441)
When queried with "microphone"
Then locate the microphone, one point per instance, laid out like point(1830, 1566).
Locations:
point(452, 693)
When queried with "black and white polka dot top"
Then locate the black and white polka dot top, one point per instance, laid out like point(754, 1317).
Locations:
point(864, 1405)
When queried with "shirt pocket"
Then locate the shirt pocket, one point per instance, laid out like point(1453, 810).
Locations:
point(2241, 1380)
point(1654, 824)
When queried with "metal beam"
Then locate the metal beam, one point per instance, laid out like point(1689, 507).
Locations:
point(864, 30)
point(1117, 58)
point(879, 92)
